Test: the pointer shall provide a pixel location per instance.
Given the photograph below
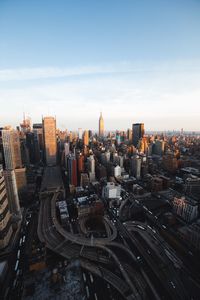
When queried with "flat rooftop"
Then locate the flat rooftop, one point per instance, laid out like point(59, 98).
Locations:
point(52, 179)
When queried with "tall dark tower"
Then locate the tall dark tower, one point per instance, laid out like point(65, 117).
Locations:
point(137, 132)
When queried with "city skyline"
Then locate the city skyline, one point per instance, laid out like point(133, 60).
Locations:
point(72, 59)
point(100, 149)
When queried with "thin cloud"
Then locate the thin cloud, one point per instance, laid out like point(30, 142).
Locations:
point(24, 74)
point(40, 73)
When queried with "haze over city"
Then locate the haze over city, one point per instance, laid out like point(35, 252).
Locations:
point(137, 61)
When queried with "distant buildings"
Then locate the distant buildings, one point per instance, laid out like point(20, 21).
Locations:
point(101, 126)
point(137, 133)
point(49, 127)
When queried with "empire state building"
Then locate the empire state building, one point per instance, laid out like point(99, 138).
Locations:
point(101, 126)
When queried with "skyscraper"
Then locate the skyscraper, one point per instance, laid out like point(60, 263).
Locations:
point(138, 133)
point(80, 133)
point(5, 216)
point(49, 127)
point(86, 138)
point(101, 126)
point(11, 187)
point(11, 147)
point(129, 134)
point(80, 159)
point(26, 124)
point(15, 175)
point(38, 131)
point(91, 167)
point(136, 164)
point(72, 169)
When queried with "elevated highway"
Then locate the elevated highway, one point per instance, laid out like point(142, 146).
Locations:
point(69, 246)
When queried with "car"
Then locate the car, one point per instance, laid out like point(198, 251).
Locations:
point(16, 265)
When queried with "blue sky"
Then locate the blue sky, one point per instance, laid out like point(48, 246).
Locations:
point(135, 60)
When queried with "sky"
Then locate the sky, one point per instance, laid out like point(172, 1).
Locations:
point(134, 60)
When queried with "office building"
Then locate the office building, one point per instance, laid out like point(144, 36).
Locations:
point(129, 135)
point(117, 171)
point(121, 161)
point(33, 147)
point(91, 168)
point(12, 192)
point(111, 191)
point(170, 163)
point(136, 164)
point(5, 215)
point(38, 131)
point(49, 127)
point(101, 172)
point(86, 138)
point(21, 181)
point(80, 159)
point(90, 133)
point(159, 147)
point(11, 148)
point(137, 133)
point(84, 182)
point(101, 126)
point(26, 124)
point(13, 168)
point(185, 208)
point(80, 133)
point(66, 149)
point(91, 164)
point(72, 170)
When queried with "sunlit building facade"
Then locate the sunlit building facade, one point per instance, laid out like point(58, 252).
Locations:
point(49, 127)
point(101, 126)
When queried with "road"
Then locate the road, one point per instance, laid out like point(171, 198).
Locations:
point(71, 246)
point(99, 255)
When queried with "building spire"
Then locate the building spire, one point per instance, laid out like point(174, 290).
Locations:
point(101, 125)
